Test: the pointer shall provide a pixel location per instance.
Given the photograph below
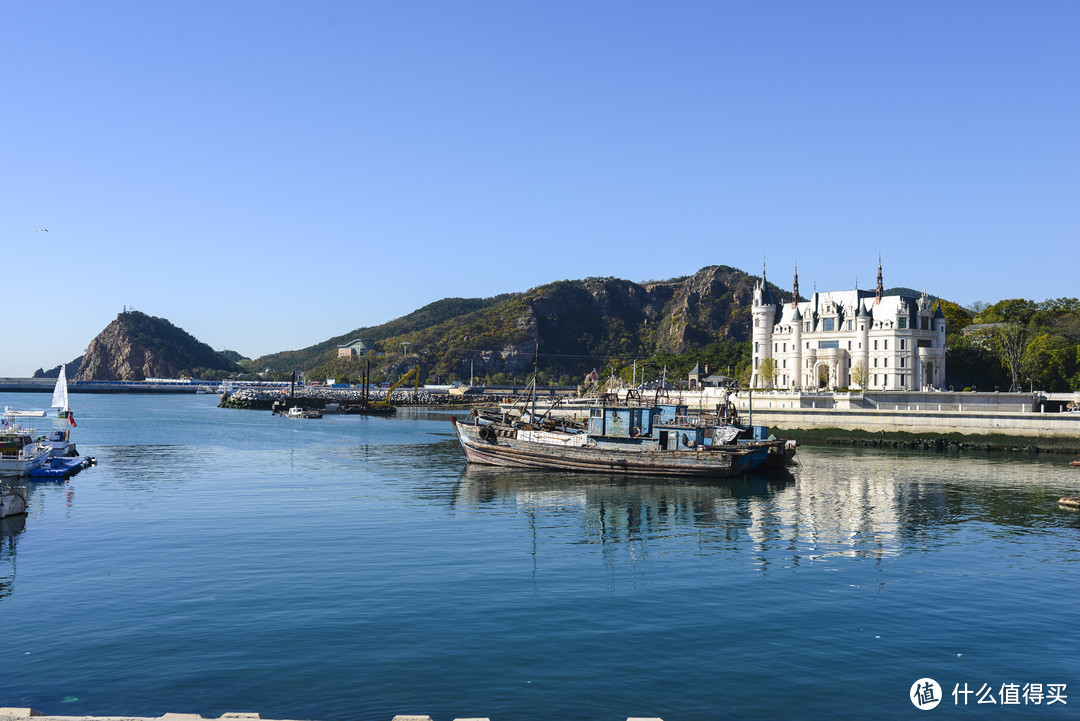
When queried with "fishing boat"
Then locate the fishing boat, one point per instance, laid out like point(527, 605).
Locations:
point(20, 452)
point(60, 394)
point(641, 440)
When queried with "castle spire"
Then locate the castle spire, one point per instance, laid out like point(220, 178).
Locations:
point(795, 295)
point(880, 284)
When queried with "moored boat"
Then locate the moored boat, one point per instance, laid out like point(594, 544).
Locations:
point(298, 412)
point(20, 452)
point(633, 440)
point(12, 501)
point(60, 394)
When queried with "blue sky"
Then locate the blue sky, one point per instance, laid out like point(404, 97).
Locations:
point(267, 175)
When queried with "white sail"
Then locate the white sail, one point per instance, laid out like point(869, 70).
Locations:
point(60, 392)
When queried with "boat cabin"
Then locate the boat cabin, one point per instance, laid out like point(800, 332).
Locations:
point(14, 440)
point(662, 427)
point(621, 421)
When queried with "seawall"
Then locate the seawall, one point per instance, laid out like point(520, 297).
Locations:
point(993, 420)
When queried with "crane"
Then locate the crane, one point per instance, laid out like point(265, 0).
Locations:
point(385, 402)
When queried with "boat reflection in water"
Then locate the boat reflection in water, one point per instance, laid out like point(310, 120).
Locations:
point(10, 528)
point(834, 504)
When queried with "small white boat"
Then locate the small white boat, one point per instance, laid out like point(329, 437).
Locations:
point(12, 502)
point(60, 444)
point(298, 412)
point(60, 394)
point(20, 452)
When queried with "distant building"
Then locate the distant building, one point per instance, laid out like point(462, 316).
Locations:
point(355, 347)
point(698, 379)
point(821, 343)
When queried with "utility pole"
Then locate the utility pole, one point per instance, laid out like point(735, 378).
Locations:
point(405, 345)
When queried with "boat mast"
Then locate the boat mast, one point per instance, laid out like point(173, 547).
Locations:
point(536, 363)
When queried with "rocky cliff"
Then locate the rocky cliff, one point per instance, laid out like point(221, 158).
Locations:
point(573, 324)
point(136, 346)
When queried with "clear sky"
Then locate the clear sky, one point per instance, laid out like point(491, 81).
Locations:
point(267, 175)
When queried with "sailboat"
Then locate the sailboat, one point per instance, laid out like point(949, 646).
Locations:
point(60, 394)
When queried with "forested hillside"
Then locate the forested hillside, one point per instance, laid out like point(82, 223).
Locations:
point(570, 327)
point(1015, 343)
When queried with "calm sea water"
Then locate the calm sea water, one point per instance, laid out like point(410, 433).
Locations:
point(355, 568)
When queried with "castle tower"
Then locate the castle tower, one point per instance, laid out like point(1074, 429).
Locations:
point(797, 380)
point(763, 312)
point(863, 321)
point(936, 375)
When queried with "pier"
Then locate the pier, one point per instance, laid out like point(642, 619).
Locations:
point(153, 385)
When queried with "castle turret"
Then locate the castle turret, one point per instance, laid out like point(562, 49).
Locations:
point(863, 321)
point(763, 311)
point(938, 379)
point(797, 380)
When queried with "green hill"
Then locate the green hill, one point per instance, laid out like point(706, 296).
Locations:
point(573, 325)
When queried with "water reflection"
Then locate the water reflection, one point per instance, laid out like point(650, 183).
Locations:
point(10, 528)
point(840, 504)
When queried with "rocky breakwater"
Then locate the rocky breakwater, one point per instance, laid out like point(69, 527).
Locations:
point(263, 399)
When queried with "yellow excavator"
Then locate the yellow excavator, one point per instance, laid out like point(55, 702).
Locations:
point(414, 373)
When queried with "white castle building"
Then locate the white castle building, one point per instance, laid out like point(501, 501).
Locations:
point(853, 339)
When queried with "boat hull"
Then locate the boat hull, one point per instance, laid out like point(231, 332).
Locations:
point(499, 450)
point(12, 504)
point(24, 461)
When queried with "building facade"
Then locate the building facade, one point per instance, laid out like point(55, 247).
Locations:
point(847, 339)
point(353, 348)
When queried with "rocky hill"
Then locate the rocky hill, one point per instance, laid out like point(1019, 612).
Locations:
point(573, 324)
point(137, 346)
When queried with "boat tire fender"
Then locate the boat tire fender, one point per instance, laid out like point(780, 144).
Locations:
point(635, 432)
point(487, 433)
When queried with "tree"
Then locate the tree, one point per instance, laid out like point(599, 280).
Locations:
point(1013, 310)
point(1010, 341)
point(768, 371)
point(860, 375)
point(970, 362)
point(956, 318)
point(1049, 362)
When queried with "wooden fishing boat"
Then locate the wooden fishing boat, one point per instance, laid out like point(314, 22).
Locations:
point(633, 440)
point(562, 450)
